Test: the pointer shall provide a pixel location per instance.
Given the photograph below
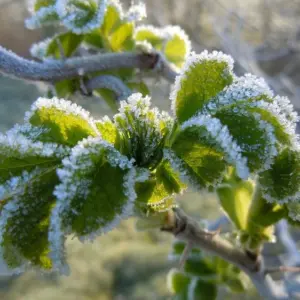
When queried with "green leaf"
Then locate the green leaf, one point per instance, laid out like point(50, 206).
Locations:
point(281, 183)
point(38, 4)
point(203, 290)
point(203, 153)
point(178, 283)
point(293, 212)
point(172, 41)
point(63, 122)
point(44, 16)
point(112, 20)
point(121, 38)
point(18, 153)
point(107, 129)
point(254, 136)
point(203, 77)
point(67, 41)
point(81, 16)
point(24, 234)
point(235, 197)
point(96, 190)
point(151, 35)
point(261, 218)
point(158, 191)
point(177, 48)
point(95, 39)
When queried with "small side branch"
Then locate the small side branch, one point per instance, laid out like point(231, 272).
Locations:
point(186, 229)
point(109, 82)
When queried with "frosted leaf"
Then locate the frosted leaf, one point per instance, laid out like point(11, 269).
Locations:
point(294, 210)
point(95, 194)
point(253, 135)
point(81, 16)
point(66, 122)
point(39, 50)
point(26, 205)
point(202, 77)
point(222, 137)
point(171, 41)
point(43, 17)
point(281, 182)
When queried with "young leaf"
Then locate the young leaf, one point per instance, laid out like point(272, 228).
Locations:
point(177, 47)
point(63, 122)
point(96, 190)
point(281, 182)
point(25, 218)
point(202, 77)
point(171, 41)
point(81, 16)
point(157, 192)
point(107, 129)
point(178, 283)
point(235, 197)
point(206, 149)
point(142, 131)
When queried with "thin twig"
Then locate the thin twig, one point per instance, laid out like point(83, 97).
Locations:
point(282, 269)
point(186, 229)
point(109, 82)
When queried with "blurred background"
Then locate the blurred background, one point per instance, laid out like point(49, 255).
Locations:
point(263, 36)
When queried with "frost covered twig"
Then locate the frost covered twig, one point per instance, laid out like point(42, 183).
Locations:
point(109, 82)
point(56, 70)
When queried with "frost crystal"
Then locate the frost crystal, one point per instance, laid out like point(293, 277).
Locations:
point(16, 144)
point(67, 107)
point(44, 16)
point(71, 15)
point(136, 12)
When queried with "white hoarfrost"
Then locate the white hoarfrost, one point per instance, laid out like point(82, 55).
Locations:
point(194, 59)
point(15, 144)
point(74, 184)
point(71, 15)
point(136, 12)
point(39, 50)
point(222, 136)
point(44, 16)
point(165, 34)
point(12, 189)
point(66, 106)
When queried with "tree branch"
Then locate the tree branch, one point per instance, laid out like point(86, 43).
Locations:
point(56, 70)
point(186, 229)
point(109, 82)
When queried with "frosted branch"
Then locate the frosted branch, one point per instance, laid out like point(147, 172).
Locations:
point(56, 70)
point(186, 229)
point(109, 82)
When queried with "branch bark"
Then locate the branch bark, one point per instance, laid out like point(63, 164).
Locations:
point(186, 229)
point(56, 70)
